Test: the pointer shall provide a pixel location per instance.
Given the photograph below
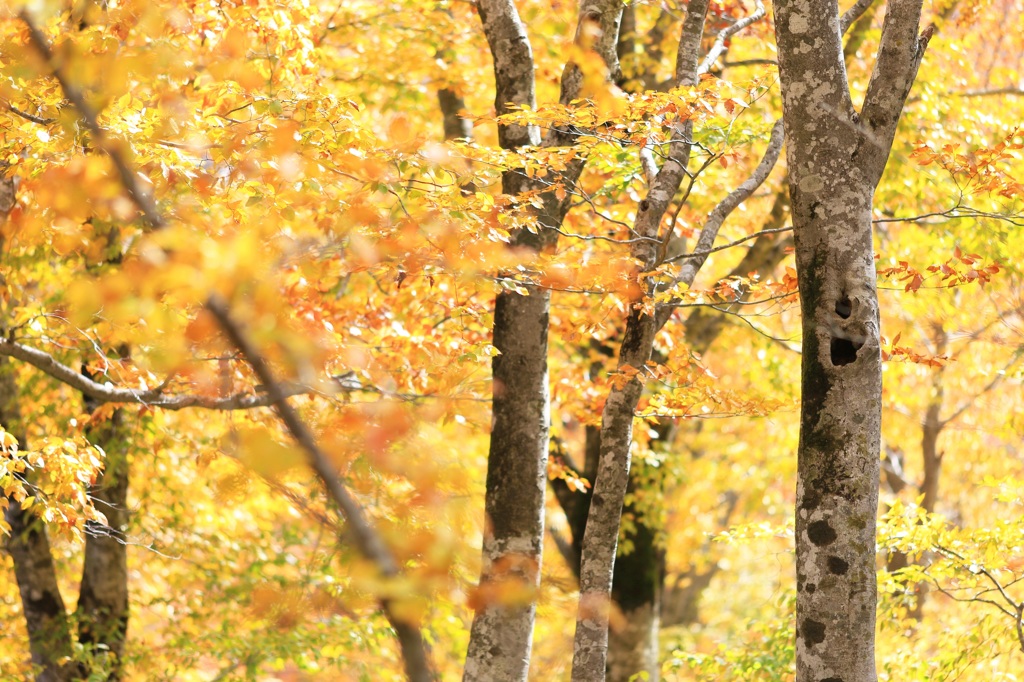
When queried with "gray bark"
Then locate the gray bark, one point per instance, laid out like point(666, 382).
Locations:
point(501, 635)
point(611, 481)
point(836, 158)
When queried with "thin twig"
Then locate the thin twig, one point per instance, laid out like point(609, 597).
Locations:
point(27, 116)
point(723, 247)
point(153, 397)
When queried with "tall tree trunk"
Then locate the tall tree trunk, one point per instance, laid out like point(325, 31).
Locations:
point(501, 634)
point(600, 539)
point(836, 157)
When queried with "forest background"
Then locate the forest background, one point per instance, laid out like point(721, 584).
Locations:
point(209, 206)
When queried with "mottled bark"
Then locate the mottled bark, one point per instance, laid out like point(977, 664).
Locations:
point(501, 634)
point(609, 488)
point(836, 158)
point(610, 484)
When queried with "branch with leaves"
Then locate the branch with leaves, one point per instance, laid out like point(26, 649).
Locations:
point(418, 667)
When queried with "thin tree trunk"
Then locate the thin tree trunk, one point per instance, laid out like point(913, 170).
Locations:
point(836, 157)
point(931, 460)
point(600, 539)
point(637, 585)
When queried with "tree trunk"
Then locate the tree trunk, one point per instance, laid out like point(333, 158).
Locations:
point(45, 616)
point(501, 634)
point(836, 157)
point(837, 490)
point(600, 539)
point(103, 599)
point(636, 592)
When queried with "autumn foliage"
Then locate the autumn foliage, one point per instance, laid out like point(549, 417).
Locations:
point(212, 207)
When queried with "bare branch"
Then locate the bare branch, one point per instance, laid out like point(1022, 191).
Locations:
point(27, 116)
point(853, 14)
point(1012, 91)
point(719, 45)
point(996, 380)
point(723, 247)
point(153, 397)
point(367, 540)
point(727, 205)
point(958, 212)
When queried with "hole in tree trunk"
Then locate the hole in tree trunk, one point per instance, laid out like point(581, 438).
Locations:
point(844, 351)
point(844, 308)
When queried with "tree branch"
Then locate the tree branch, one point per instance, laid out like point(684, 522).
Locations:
point(705, 243)
point(152, 397)
point(853, 14)
point(719, 45)
point(369, 543)
point(27, 116)
point(367, 540)
point(899, 56)
point(114, 149)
